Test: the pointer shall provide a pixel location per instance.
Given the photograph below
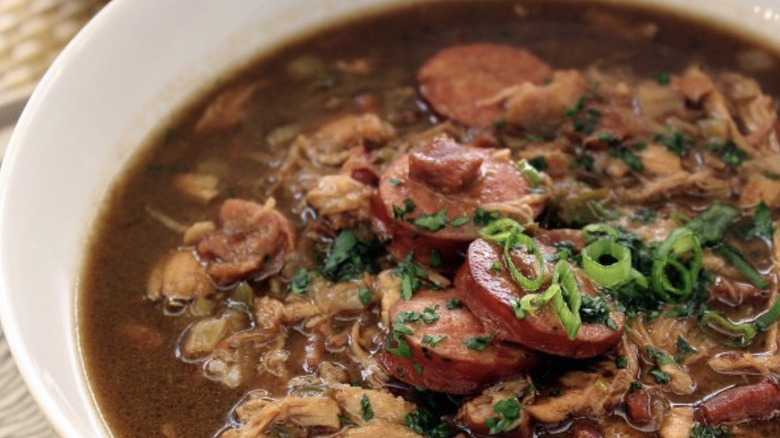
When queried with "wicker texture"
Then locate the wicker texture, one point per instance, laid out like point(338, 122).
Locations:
point(33, 32)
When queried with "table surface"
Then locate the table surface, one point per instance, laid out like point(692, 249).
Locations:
point(32, 34)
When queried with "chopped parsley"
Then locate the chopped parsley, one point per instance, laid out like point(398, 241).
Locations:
point(400, 327)
point(433, 222)
point(399, 212)
point(728, 152)
point(398, 345)
point(508, 413)
point(703, 431)
point(417, 367)
point(660, 376)
point(662, 78)
point(300, 281)
point(433, 340)
point(540, 163)
point(674, 142)
point(459, 221)
point(621, 362)
point(429, 315)
point(596, 311)
point(395, 182)
point(483, 217)
point(412, 277)
point(683, 348)
point(346, 421)
point(583, 120)
point(349, 257)
point(434, 260)
point(478, 343)
point(634, 387)
point(425, 423)
point(643, 215)
point(657, 355)
point(365, 407)
point(365, 294)
point(453, 304)
point(583, 161)
point(626, 154)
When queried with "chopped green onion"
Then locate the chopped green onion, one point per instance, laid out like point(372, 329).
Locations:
point(762, 221)
point(744, 332)
point(529, 172)
point(771, 316)
point(735, 259)
point(509, 234)
point(710, 225)
point(607, 275)
point(681, 242)
point(567, 303)
point(594, 230)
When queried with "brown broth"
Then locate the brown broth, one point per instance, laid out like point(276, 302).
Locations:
point(139, 391)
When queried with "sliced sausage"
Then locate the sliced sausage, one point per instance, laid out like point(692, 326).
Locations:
point(585, 429)
point(443, 177)
point(490, 292)
point(638, 407)
point(452, 353)
point(741, 403)
point(459, 81)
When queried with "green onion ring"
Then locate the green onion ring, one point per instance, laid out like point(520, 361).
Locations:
point(567, 302)
point(589, 230)
point(679, 243)
point(509, 234)
point(607, 275)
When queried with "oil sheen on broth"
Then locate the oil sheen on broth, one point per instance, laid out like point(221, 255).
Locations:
point(550, 219)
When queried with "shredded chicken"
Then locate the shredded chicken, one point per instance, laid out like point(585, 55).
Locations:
point(179, 276)
point(542, 108)
point(227, 110)
point(331, 144)
point(592, 393)
point(337, 196)
point(197, 186)
point(677, 423)
point(257, 415)
point(379, 429)
point(387, 407)
point(475, 412)
point(251, 241)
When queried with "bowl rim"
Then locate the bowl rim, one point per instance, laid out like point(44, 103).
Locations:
point(756, 19)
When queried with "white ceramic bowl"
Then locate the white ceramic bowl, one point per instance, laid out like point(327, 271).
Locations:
point(129, 69)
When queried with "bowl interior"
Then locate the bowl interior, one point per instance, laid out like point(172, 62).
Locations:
point(120, 78)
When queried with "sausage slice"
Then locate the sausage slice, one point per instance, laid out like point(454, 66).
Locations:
point(458, 81)
point(489, 293)
point(449, 352)
point(759, 401)
point(446, 179)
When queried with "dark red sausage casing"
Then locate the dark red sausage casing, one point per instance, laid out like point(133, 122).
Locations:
point(460, 81)
point(451, 366)
point(489, 294)
point(447, 176)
